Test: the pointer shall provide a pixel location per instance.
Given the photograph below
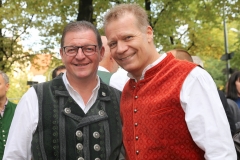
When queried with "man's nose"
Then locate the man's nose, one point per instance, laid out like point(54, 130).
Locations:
point(121, 47)
point(80, 53)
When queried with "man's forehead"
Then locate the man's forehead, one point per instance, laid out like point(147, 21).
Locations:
point(120, 35)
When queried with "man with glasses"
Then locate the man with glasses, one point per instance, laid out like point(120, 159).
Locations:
point(74, 116)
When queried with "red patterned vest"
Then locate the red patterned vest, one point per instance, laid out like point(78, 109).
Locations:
point(154, 127)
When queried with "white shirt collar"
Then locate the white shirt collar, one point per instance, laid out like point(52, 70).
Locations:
point(148, 67)
point(101, 68)
point(78, 98)
point(6, 102)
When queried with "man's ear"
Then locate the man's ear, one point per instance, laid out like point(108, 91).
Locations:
point(101, 54)
point(149, 34)
point(61, 54)
point(7, 87)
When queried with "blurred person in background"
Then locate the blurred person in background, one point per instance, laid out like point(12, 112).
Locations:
point(233, 97)
point(108, 65)
point(109, 71)
point(58, 70)
point(181, 54)
point(233, 88)
point(7, 110)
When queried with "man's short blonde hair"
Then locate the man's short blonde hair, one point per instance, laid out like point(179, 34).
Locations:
point(119, 10)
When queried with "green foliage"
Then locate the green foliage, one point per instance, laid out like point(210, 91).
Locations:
point(192, 25)
point(18, 85)
point(214, 68)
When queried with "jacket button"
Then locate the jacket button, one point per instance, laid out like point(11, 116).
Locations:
point(67, 110)
point(101, 113)
point(96, 147)
point(96, 135)
point(79, 146)
point(79, 133)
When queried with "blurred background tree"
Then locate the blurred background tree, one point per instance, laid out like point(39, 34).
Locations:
point(196, 26)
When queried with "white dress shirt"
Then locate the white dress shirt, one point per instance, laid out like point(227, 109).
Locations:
point(204, 115)
point(119, 79)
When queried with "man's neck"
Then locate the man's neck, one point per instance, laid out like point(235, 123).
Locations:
point(84, 87)
point(2, 102)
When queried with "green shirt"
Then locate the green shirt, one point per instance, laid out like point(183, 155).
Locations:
point(105, 76)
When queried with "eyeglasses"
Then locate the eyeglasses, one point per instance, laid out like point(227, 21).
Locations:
point(87, 50)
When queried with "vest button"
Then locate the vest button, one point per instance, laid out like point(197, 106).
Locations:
point(101, 113)
point(96, 147)
point(136, 137)
point(80, 158)
point(135, 110)
point(137, 151)
point(67, 110)
point(136, 97)
point(79, 133)
point(135, 124)
point(79, 146)
point(96, 135)
point(103, 94)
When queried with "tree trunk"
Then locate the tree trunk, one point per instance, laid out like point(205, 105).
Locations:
point(85, 10)
point(148, 5)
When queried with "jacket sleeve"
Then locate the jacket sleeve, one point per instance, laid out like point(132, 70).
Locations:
point(228, 112)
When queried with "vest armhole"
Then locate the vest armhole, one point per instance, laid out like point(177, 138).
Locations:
point(39, 90)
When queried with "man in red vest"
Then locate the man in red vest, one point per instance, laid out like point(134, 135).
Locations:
point(170, 109)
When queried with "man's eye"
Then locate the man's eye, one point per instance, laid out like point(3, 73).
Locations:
point(71, 50)
point(112, 45)
point(128, 37)
point(89, 49)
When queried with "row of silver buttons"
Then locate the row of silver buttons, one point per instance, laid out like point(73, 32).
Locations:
point(79, 134)
point(96, 147)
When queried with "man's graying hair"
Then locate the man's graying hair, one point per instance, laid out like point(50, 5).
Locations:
point(5, 77)
point(81, 26)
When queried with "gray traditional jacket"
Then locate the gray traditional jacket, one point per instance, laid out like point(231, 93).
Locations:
point(65, 132)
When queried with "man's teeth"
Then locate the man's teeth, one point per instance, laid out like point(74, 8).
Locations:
point(81, 64)
point(126, 57)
